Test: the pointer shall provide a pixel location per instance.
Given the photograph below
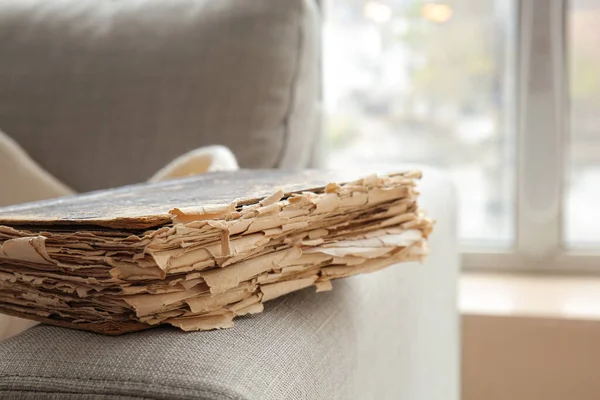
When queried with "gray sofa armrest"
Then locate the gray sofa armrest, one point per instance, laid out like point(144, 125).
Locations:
point(388, 335)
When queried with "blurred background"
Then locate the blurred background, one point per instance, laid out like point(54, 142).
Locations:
point(457, 84)
point(435, 83)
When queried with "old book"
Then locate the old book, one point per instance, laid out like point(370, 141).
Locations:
point(198, 252)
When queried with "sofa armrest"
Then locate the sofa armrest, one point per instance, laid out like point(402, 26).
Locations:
point(388, 335)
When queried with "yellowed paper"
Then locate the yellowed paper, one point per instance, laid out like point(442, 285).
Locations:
point(211, 262)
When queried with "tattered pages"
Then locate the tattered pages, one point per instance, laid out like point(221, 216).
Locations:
point(198, 252)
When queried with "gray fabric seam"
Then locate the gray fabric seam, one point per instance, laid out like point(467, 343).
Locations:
point(124, 381)
point(295, 79)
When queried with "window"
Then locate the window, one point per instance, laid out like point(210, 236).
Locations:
point(502, 93)
point(582, 222)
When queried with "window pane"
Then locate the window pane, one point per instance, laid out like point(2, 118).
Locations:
point(582, 222)
point(415, 82)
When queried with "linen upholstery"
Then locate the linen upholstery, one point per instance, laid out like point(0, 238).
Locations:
point(104, 93)
point(387, 335)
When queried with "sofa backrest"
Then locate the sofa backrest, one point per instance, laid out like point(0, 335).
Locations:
point(104, 93)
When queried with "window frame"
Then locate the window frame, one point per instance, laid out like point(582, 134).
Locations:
point(539, 117)
point(542, 146)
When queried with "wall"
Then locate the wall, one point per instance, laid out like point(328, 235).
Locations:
point(529, 358)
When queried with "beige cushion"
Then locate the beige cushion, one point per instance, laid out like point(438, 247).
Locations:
point(104, 93)
point(22, 179)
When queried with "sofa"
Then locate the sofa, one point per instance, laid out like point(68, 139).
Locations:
point(97, 94)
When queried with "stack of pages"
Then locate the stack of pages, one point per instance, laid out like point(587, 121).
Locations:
point(198, 252)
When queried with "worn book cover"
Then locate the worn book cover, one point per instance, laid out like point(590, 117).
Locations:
point(198, 252)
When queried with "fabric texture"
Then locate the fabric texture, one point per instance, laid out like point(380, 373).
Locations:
point(387, 335)
point(104, 93)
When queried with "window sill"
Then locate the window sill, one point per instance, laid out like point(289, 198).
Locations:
point(548, 296)
point(530, 337)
